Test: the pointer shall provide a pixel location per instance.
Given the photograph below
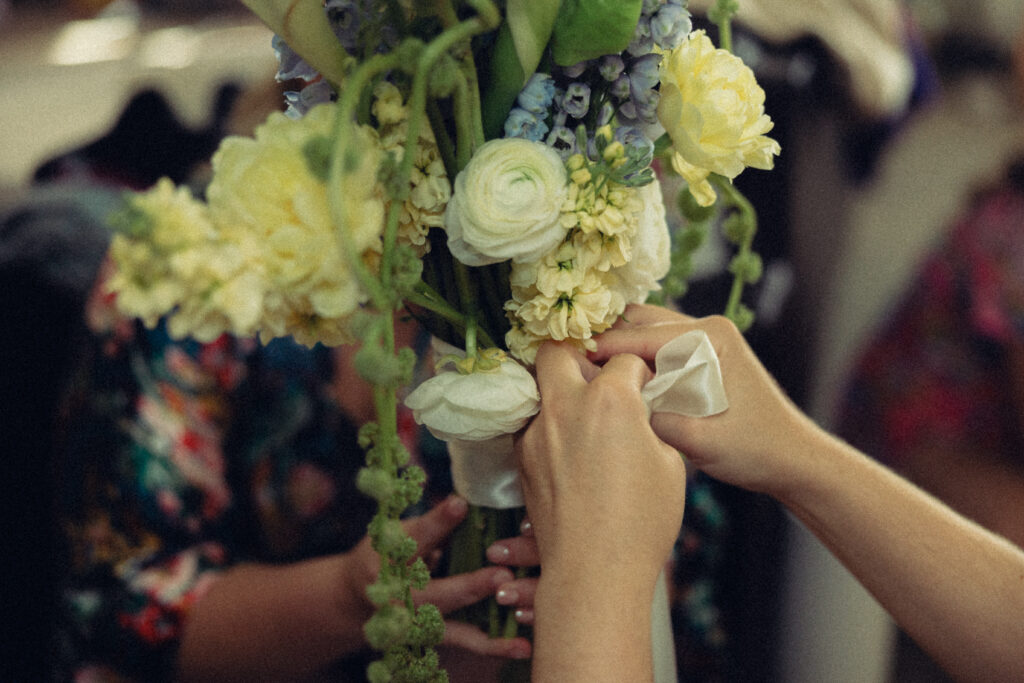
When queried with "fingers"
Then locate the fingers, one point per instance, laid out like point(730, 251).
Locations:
point(643, 341)
point(519, 593)
point(461, 590)
point(430, 529)
point(520, 551)
point(629, 369)
point(470, 638)
point(559, 367)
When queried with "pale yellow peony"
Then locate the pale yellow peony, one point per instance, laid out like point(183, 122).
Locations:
point(269, 201)
point(713, 109)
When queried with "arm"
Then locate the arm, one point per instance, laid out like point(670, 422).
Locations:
point(605, 497)
point(292, 621)
point(934, 571)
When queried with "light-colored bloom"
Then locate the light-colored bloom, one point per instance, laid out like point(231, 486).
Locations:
point(478, 405)
point(169, 222)
point(652, 248)
point(577, 315)
point(267, 200)
point(713, 109)
point(507, 203)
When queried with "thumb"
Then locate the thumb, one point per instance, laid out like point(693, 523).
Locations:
point(430, 529)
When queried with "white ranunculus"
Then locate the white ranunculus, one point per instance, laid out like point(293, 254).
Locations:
point(477, 406)
point(652, 248)
point(507, 203)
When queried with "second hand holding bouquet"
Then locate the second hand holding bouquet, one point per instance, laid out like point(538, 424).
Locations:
point(487, 167)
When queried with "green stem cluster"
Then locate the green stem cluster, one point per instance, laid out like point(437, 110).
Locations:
point(406, 635)
point(721, 14)
point(739, 227)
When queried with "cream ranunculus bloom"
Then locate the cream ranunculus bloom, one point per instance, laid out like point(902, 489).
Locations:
point(477, 406)
point(713, 109)
point(507, 203)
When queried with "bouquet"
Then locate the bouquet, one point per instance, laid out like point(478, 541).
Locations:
point(488, 167)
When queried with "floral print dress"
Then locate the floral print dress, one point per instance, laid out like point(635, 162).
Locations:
point(181, 460)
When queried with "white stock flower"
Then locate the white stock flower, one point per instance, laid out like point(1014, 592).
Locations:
point(507, 203)
point(477, 406)
point(652, 249)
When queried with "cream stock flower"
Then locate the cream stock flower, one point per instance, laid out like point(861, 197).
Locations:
point(713, 109)
point(587, 309)
point(430, 189)
point(507, 203)
point(476, 406)
point(168, 222)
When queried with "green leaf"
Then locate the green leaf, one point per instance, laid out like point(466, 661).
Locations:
point(530, 23)
point(587, 29)
point(503, 78)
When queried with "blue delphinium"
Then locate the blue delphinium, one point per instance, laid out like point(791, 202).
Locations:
point(618, 89)
point(299, 102)
point(670, 26)
point(524, 124)
point(576, 100)
point(528, 119)
point(290, 64)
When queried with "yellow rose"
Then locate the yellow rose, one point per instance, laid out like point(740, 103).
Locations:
point(713, 109)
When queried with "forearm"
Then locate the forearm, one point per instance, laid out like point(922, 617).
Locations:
point(261, 622)
point(589, 628)
point(933, 570)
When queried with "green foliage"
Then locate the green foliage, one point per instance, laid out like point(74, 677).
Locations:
point(587, 29)
point(317, 151)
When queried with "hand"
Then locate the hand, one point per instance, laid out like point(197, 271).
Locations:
point(448, 594)
point(597, 481)
point(519, 551)
point(753, 443)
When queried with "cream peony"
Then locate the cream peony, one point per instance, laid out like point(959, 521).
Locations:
point(268, 202)
point(713, 109)
point(507, 203)
point(477, 406)
point(652, 249)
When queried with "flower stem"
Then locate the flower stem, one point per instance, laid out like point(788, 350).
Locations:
point(748, 215)
point(344, 126)
point(425, 297)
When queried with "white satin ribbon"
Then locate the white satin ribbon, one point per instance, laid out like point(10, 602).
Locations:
point(486, 472)
point(687, 381)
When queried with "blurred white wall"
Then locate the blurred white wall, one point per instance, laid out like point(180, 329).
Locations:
point(48, 106)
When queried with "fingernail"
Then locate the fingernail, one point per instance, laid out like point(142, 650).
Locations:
point(526, 528)
point(506, 596)
point(524, 616)
point(498, 553)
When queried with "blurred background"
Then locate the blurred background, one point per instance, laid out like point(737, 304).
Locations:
point(892, 116)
